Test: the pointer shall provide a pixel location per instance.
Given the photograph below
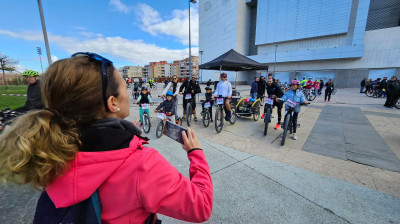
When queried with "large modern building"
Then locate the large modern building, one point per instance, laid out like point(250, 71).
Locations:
point(346, 40)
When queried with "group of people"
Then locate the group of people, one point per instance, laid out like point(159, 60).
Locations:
point(80, 146)
point(389, 88)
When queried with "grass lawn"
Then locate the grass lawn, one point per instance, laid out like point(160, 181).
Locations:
point(13, 89)
point(12, 102)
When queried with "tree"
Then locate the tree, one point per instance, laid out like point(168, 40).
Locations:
point(6, 64)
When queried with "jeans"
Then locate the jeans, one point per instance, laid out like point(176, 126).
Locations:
point(361, 89)
point(253, 95)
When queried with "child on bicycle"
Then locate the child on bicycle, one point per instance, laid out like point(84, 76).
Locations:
point(169, 107)
point(208, 95)
point(297, 96)
point(144, 98)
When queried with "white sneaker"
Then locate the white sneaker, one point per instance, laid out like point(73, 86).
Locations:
point(294, 137)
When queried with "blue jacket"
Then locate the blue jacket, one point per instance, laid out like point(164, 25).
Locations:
point(297, 97)
point(254, 86)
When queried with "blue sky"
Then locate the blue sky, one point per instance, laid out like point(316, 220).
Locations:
point(126, 32)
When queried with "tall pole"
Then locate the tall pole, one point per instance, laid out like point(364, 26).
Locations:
point(201, 62)
point(276, 47)
point(190, 43)
point(46, 41)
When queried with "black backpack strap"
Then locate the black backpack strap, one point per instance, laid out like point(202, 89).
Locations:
point(152, 219)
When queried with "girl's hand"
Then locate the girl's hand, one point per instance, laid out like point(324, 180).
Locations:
point(190, 140)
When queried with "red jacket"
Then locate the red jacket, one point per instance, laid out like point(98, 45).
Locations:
point(309, 84)
point(134, 182)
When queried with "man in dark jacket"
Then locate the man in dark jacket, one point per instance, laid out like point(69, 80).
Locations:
point(189, 89)
point(362, 84)
point(261, 87)
point(328, 90)
point(274, 91)
point(392, 91)
point(253, 90)
point(34, 96)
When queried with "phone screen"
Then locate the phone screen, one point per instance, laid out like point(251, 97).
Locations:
point(174, 131)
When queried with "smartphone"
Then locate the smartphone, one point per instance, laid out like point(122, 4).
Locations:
point(174, 131)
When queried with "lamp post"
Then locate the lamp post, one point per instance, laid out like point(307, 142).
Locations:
point(39, 51)
point(190, 42)
point(201, 62)
point(276, 47)
point(46, 41)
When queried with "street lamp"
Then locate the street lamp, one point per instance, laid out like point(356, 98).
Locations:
point(46, 41)
point(276, 47)
point(39, 51)
point(190, 42)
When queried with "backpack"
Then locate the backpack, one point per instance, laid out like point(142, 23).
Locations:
point(85, 212)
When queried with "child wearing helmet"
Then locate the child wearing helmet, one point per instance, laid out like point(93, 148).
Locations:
point(34, 96)
point(168, 106)
point(144, 98)
point(297, 96)
point(208, 96)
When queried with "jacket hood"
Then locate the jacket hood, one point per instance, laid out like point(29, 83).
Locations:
point(90, 169)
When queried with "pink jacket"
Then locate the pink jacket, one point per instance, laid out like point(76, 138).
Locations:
point(134, 182)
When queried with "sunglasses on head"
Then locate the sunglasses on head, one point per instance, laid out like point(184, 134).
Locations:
point(104, 63)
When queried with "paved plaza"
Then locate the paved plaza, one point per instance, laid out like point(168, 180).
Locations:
point(344, 167)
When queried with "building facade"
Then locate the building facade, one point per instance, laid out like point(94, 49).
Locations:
point(346, 40)
point(132, 71)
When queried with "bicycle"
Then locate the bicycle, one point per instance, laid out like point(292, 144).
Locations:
point(178, 120)
point(369, 92)
point(7, 117)
point(219, 114)
point(288, 122)
point(162, 118)
point(310, 95)
point(269, 105)
point(189, 109)
point(334, 91)
point(154, 86)
point(206, 113)
point(145, 117)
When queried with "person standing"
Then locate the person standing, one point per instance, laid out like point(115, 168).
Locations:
point(274, 91)
point(367, 85)
point(328, 90)
point(362, 85)
point(317, 86)
point(321, 86)
point(33, 95)
point(253, 90)
point(261, 87)
point(190, 87)
point(303, 82)
point(224, 89)
point(392, 92)
point(173, 87)
point(209, 82)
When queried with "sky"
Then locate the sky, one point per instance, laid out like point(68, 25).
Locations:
point(127, 32)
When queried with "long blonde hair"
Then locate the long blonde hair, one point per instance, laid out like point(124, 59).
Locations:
point(38, 147)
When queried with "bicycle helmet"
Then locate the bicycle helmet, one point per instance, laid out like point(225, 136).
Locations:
point(208, 88)
point(317, 80)
point(309, 77)
point(30, 73)
point(246, 100)
point(144, 88)
point(169, 93)
point(252, 100)
point(224, 75)
point(294, 82)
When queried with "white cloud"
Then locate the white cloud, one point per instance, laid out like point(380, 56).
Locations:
point(135, 51)
point(54, 58)
point(176, 25)
point(119, 6)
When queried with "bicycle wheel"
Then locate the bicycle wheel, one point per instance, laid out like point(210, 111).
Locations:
point(312, 96)
point(160, 128)
point(256, 115)
point(334, 91)
point(267, 117)
point(285, 128)
point(146, 123)
point(188, 113)
point(233, 115)
point(375, 94)
point(397, 104)
point(206, 118)
point(219, 119)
